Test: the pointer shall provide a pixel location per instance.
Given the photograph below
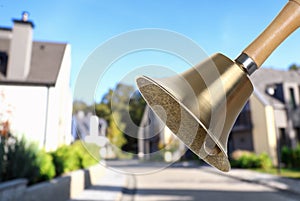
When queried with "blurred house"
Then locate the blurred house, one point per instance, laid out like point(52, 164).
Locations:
point(35, 76)
point(150, 134)
point(81, 125)
point(270, 117)
point(153, 136)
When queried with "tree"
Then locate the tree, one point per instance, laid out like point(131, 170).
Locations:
point(137, 106)
point(114, 131)
point(107, 98)
point(294, 67)
point(102, 110)
point(80, 106)
point(122, 107)
point(128, 105)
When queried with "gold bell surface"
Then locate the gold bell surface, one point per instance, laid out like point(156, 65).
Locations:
point(201, 105)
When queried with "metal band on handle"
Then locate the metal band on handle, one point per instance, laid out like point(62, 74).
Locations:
point(247, 63)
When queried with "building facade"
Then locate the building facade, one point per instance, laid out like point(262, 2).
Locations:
point(154, 139)
point(35, 80)
point(271, 118)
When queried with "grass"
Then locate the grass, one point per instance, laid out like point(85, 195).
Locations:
point(284, 172)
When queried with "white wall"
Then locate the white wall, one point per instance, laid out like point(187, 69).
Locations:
point(29, 115)
point(280, 117)
point(60, 106)
point(29, 110)
point(264, 132)
point(29, 103)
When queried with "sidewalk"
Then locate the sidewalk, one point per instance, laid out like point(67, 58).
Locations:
point(108, 188)
point(272, 181)
point(112, 185)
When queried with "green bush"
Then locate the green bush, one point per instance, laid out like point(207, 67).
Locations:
point(252, 160)
point(21, 159)
point(296, 157)
point(287, 156)
point(46, 166)
point(76, 156)
point(88, 154)
point(65, 160)
point(265, 162)
point(291, 157)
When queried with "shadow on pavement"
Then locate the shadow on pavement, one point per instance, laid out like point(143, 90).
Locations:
point(211, 195)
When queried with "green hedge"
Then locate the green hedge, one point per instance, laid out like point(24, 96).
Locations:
point(22, 159)
point(76, 156)
point(252, 160)
point(291, 157)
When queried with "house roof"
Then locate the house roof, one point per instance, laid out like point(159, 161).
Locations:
point(267, 76)
point(46, 59)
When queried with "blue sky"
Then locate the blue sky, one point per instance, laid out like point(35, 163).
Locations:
point(216, 26)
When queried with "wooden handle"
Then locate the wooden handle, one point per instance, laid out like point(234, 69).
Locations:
point(286, 22)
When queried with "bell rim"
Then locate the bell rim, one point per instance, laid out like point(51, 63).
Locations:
point(224, 153)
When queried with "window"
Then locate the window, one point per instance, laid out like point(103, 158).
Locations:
point(292, 98)
point(283, 138)
point(3, 62)
point(298, 133)
point(299, 94)
point(244, 119)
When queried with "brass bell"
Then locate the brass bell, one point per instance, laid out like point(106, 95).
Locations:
point(201, 105)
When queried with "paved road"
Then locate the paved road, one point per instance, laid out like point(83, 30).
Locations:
point(179, 183)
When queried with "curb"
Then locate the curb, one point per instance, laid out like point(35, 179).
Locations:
point(271, 181)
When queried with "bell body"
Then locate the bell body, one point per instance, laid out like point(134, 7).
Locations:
point(201, 105)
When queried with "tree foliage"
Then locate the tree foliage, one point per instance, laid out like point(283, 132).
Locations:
point(114, 131)
point(103, 110)
point(80, 106)
point(137, 106)
point(294, 67)
point(122, 108)
point(128, 106)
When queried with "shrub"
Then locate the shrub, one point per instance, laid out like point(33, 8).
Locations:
point(287, 156)
point(65, 160)
point(21, 159)
point(296, 157)
point(46, 166)
point(252, 160)
point(291, 157)
point(88, 154)
point(265, 162)
point(72, 157)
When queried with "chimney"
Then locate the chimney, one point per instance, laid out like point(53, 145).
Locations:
point(20, 49)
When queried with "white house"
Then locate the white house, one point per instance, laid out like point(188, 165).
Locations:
point(34, 78)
